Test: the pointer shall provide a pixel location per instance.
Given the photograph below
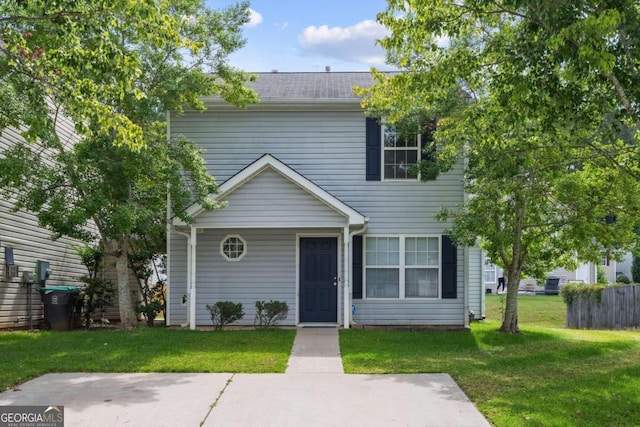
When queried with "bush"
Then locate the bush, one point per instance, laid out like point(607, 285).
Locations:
point(601, 277)
point(98, 293)
point(623, 279)
point(224, 313)
point(270, 313)
point(571, 291)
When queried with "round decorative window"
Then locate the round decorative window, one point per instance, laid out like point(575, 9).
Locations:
point(233, 247)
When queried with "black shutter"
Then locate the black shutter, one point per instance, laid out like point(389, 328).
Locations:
point(449, 268)
point(373, 149)
point(356, 268)
point(426, 141)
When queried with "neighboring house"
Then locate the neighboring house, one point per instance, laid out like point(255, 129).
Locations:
point(322, 212)
point(584, 273)
point(23, 243)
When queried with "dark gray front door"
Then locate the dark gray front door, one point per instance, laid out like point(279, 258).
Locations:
point(318, 279)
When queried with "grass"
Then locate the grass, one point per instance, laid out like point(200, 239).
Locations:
point(547, 376)
point(25, 355)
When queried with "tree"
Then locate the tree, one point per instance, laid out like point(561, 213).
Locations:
point(540, 98)
point(100, 181)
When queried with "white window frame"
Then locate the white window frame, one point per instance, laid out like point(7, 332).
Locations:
point(233, 236)
point(418, 150)
point(487, 265)
point(401, 266)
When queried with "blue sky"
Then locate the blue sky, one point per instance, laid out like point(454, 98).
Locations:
point(307, 35)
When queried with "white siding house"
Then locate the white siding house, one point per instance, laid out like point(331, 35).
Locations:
point(321, 212)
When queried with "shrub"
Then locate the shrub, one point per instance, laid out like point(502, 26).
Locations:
point(98, 293)
point(601, 277)
point(571, 291)
point(270, 313)
point(623, 279)
point(224, 313)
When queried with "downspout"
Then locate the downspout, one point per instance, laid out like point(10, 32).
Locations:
point(348, 272)
point(188, 236)
point(167, 311)
point(192, 296)
point(466, 287)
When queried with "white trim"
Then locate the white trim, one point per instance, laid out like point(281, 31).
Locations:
point(233, 236)
point(192, 294)
point(268, 161)
point(401, 267)
point(383, 148)
point(339, 267)
point(167, 308)
point(346, 273)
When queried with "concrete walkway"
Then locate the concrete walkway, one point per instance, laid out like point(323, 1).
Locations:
point(315, 351)
point(313, 393)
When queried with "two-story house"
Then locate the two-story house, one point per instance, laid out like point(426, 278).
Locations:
point(322, 211)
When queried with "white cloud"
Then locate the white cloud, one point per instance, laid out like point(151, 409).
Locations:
point(282, 25)
point(356, 43)
point(255, 18)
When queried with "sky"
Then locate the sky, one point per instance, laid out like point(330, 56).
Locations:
point(308, 35)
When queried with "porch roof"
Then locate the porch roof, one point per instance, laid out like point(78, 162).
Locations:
point(303, 188)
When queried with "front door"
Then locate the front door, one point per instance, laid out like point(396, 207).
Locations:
point(318, 279)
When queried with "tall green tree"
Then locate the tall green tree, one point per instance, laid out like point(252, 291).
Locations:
point(542, 99)
point(113, 178)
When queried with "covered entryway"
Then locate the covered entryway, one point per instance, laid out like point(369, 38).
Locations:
point(318, 279)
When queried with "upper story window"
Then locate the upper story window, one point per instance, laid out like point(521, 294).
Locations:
point(233, 247)
point(400, 153)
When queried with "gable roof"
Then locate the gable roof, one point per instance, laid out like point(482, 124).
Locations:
point(328, 85)
point(268, 161)
point(314, 91)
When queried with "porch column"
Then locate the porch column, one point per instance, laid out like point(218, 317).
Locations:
point(192, 294)
point(345, 279)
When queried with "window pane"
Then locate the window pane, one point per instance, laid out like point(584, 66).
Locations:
point(421, 283)
point(382, 283)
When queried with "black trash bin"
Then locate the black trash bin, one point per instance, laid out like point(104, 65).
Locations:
point(60, 306)
point(552, 286)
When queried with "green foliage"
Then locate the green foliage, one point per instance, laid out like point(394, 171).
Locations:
point(98, 293)
point(623, 279)
point(542, 100)
point(110, 71)
point(144, 262)
point(635, 269)
point(224, 313)
point(270, 313)
point(601, 276)
point(571, 291)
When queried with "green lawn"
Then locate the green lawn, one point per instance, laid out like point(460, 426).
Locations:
point(547, 376)
point(25, 355)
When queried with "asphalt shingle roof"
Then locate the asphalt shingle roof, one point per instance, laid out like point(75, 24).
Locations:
point(301, 86)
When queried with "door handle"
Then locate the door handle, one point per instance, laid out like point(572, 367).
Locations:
point(335, 281)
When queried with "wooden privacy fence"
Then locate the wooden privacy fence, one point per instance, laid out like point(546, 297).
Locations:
point(619, 308)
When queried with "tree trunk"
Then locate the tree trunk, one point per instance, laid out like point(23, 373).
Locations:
point(119, 249)
point(510, 320)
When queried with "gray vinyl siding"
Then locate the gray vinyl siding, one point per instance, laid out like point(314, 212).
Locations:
point(270, 200)
point(268, 271)
point(30, 243)
point(328, 148)
point(476, 282)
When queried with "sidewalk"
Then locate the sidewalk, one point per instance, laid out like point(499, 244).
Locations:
point(314, 392)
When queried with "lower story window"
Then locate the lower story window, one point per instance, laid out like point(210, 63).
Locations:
point(402, 267)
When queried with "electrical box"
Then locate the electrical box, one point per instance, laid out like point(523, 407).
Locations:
point(43, 272)
point(28, 278)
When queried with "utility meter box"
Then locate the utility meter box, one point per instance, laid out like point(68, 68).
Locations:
point(43, 272)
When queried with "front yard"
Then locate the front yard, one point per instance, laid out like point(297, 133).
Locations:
point(547, 376)
point(543, 377)
point(25, 355)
